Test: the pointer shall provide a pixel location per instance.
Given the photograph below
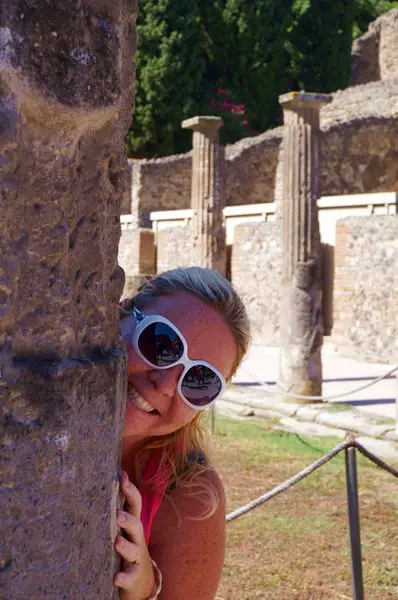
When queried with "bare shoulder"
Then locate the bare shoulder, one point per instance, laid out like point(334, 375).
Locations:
point(188, 539)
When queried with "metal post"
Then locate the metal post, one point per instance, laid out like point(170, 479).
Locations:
point(353, 520)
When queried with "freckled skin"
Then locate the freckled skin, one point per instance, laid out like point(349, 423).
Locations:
point(209, 338)
point(188, 549)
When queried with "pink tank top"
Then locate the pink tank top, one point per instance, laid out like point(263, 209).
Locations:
point(153, 493)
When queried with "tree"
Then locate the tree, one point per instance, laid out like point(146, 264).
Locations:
point(246, 59)
point(232, 58)
point(320, 43)
point(368, 11)
point(170, 69)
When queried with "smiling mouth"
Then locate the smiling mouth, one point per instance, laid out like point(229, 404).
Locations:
point(140, 402)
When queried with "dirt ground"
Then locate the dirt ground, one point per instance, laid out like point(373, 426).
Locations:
point(296, 546)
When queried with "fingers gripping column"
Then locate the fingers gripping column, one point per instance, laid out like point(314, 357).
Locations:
point(66, 83)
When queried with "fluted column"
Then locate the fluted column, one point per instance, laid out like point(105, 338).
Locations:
point(66, 83)
point(207, 193)
point(301, 329)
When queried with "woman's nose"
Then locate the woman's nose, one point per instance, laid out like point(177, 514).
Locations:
point(165, 380)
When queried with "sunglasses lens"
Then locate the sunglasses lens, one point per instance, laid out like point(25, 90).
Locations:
point(201, 385)
point(160, 344)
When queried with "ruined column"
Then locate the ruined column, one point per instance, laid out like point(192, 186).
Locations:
point(66, 81)
point(301, 330)
point(207, 193)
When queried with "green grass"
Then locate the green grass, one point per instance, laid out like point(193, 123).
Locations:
point(296, 545)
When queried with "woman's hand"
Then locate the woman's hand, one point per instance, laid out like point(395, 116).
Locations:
point(136, 581)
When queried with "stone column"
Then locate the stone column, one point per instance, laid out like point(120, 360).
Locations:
point(301, 330)
point(207, 193)
point(65, 105)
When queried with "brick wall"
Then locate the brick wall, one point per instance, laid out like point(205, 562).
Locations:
point(366, 287)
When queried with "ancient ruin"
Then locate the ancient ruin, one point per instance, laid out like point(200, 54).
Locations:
point(301, 327)
point(358, 178)
point(66, 96)
point(207, 194)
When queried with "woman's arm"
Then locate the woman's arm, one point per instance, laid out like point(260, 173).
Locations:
point(190, 553)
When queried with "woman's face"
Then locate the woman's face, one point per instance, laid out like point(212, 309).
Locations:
point(208, 337)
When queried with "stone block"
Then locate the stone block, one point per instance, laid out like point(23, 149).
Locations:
point(60, 433)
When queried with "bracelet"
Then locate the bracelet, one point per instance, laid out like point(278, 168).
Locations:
point(158, 581)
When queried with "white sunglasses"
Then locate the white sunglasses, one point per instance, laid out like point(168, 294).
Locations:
point(161, 345)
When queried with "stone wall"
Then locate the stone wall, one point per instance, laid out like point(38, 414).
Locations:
point(66, 83)
point(174, 248)
point(159, 184)
point(366, 287)
point(374, 54)
point(360, 140)
point(250, 169)
point(256, 271)
point(361, 284)
point(165, 183)
point(137, 257)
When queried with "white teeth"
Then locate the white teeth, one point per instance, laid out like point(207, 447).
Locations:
point(139, 401)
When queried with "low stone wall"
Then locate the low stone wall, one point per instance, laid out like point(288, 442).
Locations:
point(250, 169)
point(160, 184)
point(366, 287)
point(137, 257)
point(256, 270)
point(363, 291)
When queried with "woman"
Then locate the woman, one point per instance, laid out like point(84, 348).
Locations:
point(186, 333)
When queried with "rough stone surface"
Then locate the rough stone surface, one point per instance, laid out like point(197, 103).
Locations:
point(207, 194)
point(174, 248)
point(61, 422)
point(256, 271)
point(366, 287)
point(378, 435)
point(374, 54)
point(360, 140)
point(352, 421)
point(301, 327)
point(137, 257)
point(160, 184)
point(65, 102)
point(250, 168)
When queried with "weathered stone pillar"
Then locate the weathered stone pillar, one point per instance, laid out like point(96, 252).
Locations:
point(301, 330)
point(66, 82)
point(207, 194)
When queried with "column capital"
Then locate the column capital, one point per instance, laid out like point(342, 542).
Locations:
point(203, 124)
point(299, 100)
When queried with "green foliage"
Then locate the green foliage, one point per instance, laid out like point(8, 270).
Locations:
point(320, 45)
point(232, 58)
point(368, 11)
point(170, 70)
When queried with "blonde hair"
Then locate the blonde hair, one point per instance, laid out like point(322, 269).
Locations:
point(182, 448)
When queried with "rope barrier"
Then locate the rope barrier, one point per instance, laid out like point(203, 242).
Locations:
point(276, 390)
point(307, 471)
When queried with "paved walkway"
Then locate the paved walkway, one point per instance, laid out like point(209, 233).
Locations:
point(340, 375)
point(371, 413)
